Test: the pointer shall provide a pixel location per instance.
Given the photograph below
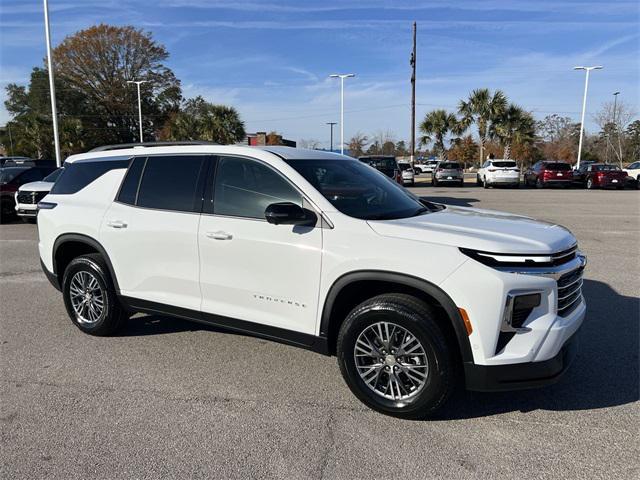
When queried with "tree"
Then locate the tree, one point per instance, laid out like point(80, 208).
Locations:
point(401, 149)
point(613, 118)
point(513, 125)
point(201, 120)
point(436, 125)
point(310, 143)
point(96, 64)
point(357, 144)
point(463, 150)
point(482, 109)
point(558, 138)
point(632, 143)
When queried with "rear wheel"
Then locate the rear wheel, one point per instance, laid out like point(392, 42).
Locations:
point(590, 184)
point(90, 298)
point(395, 358)
point(540, 183)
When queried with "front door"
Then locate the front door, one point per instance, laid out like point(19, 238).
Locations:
point(252, 270)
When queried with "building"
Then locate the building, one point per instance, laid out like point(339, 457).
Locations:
point(264, 138)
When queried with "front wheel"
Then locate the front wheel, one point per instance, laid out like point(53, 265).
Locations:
point(90, 298)
point(395, 358)
point(539, 183)
point(485, 184)
point(590, 185)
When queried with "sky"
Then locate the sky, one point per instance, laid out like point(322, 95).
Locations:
point(271, 59)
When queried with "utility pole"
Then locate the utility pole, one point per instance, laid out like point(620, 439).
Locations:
point(138, 83)
point(412, 62)
point(52, 86)
point(331, 124)
point(584, 105)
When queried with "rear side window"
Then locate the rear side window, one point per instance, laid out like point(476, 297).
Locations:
point(129, 189)
point(557, 167)
point(77, 175)
point(172, 183)
point(244, 188)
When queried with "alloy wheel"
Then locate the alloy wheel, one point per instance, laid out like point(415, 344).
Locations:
point(391, 361)
point(87, 297)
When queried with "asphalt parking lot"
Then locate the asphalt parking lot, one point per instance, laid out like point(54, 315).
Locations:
point(169, 398)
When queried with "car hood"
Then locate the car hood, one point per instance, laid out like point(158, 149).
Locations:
point(483, 230)
point(36, 187)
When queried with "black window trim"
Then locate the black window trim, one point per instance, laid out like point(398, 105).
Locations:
point(200, 182)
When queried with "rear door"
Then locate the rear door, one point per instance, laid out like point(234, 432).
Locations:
point(252, 270)
point(151, 230)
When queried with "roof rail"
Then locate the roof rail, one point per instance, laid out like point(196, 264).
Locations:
point(121, 146)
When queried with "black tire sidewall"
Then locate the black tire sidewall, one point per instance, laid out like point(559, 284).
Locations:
point(427, 332)
point(105, 323)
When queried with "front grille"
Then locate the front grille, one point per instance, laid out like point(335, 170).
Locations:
point(565, 256)
point(31, 198)
point(569, 291)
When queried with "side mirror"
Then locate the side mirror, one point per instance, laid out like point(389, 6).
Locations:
point(287, 213)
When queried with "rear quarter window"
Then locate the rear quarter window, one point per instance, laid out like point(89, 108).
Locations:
point(77, 175)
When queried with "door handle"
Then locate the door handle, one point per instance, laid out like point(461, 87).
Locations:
point(219, 235)
point(117, 224)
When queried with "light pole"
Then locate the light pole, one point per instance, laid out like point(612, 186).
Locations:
point(138, 83)
point(52, 86)
point(584, 104)
point(331, 124)
point(342, 76)
point(615, 125)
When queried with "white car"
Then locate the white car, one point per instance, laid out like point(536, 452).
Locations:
point(498, 172)
point(29, 194)
point(408, 176)
point(309, 248)
point(427, 166)
point(633, 171)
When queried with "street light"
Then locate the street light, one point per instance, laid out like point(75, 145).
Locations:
point(342, 76)
point(331, 124)
point(615, 125)
point(52, 86)
point(138, 83)
point(584, 104)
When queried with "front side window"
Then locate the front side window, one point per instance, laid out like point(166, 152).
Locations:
point(357, 190)
point(244, 188)
point(171, 183)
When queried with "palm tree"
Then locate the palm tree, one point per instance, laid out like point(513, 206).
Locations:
point(436, 125)
point(482, 108)
point(514, 125)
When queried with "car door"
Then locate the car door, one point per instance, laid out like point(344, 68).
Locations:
point(252, 270)
point(151, 231)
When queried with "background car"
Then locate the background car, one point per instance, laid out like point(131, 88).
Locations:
point(603, 175)
point(448, 172)
point(545, 173)
point(498, 172)
point(633, 172)
point(386, 164)
point(427, 166)
point(408, 176)
point(11, 178)
point(12, 161)
point(29, 194)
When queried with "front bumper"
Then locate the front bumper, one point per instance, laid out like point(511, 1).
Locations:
point(520, 376)
point(23, 210)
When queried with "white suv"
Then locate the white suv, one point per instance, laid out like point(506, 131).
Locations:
point(498, 172)
point(309, 248)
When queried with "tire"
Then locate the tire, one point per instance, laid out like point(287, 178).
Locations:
point(478, 182)
point(435, 182)
point(484, 183)
point(7, 211)
point(590, 185)
point(461, 183)
point(93, 269)
point(435, 379)
point(638, 183)
point(540, 183)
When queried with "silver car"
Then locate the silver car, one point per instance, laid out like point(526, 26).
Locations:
point(448, 172)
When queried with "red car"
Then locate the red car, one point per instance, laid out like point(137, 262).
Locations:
point(545, 173)
point(603, 175)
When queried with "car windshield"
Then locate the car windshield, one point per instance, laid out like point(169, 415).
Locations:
point(359, 191)
point(504, 164)
point(382, 162)
point(605, 168)
point(8, 174)
point(559, 167)
point(449, 165)
point(53, 176)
